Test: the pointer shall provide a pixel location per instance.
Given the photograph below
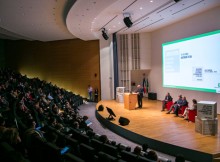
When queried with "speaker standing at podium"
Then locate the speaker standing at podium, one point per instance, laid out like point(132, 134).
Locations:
point(140, 95)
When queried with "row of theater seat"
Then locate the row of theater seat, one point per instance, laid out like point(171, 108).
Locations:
point(88, 150)
point(9, 154)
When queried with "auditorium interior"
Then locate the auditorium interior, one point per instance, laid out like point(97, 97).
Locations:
point(51, 51)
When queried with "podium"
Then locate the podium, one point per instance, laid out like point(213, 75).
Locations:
point(130, 101)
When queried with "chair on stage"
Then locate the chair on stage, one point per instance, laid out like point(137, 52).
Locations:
point(168, 105)
point(182, 109)
point(192, 114)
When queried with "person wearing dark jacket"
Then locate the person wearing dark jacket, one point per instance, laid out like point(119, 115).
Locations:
point(166, 100)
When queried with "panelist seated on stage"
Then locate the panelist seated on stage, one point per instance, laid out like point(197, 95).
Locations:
point(140, 94)
point(167, 99)
point(178, 104)
point(186, 112)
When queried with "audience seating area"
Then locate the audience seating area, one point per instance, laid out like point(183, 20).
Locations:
point(45, 124)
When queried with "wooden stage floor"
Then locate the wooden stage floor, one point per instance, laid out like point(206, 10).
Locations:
point(152, 123)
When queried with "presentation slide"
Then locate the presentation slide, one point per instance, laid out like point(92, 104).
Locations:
point(193, 63)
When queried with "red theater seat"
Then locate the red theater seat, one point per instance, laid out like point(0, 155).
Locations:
point(182, 109)
point(169, 104)
point(192, 114)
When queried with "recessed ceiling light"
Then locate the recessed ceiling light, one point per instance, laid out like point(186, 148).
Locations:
point(151, 1)
point(141, 8)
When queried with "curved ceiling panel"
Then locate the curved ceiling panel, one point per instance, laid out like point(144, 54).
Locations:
point(87, 18)
point(82, 16)
point(35, 19)
point(50, 20)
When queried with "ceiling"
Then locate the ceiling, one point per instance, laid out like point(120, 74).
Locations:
point(50, 20)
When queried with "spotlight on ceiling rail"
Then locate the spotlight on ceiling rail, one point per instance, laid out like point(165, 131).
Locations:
point(104, 34)
point(127, 20)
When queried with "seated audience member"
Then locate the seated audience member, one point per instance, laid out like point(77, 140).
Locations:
point(45, 100)
point(144, 151)
point(31, 131)
point(76, 126)
point(59, 127)
point(51, 137)
point(12, 137)
point(145, 147)
point(4, 104)
point(166, 99)
point(152, 155)
point(83, 125)
point(128, 149)
point(122, 147)
point(91, 134)
point(179, 158)
point(2, 126)
point(186, 112)
point(113, 143)
point(137, 150)
point(104, 139)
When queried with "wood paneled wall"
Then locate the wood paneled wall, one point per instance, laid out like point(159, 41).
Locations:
point(71, 64)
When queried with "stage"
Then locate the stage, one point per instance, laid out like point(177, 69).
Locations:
point(163, 132)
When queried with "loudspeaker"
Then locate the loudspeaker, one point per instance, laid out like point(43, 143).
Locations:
point(152, 96)
point(123, 121)
point(100, 108)
point(128, 22)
